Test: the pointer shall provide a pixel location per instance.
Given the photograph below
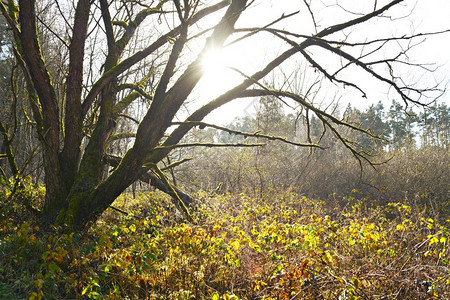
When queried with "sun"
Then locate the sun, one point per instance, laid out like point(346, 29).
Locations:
point(218, 74)
point(214, 60)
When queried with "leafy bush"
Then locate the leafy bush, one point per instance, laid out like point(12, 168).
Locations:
point(279, 247)
point(18, 197)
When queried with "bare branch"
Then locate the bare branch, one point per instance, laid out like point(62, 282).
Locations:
point(128, 117)
point(400, 90)
point(136, 88)
point(11, 22)
point(63, 16)
point(248, 134)
point(122, 135)
point(308, 5)
point(208, 145)
point(53, 32)
point(258, 29)
point(362, 19)
point(176, 163)
point(342, 43)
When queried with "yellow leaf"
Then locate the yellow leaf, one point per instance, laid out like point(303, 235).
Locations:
point(84, 290)
point(327, 258)
point(215, 296)
point(400, 227)
point(39, 283)
point(117, 262)
point(433, 240)
point(235, 244)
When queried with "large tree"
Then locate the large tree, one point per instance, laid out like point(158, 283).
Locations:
point(161, 64)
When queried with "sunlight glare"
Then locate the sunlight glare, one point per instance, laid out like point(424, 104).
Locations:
point(218, 76)
point(212, 61)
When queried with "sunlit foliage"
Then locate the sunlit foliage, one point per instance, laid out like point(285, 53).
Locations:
point(282, 246)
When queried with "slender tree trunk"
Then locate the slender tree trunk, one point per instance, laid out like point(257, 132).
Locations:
point(56, 191)
point(71, 153)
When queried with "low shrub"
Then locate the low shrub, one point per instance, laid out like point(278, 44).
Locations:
point(279, 247)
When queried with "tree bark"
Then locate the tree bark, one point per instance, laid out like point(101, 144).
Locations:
point(56, 191)
point(73, 124)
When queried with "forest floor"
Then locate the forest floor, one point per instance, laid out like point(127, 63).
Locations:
point(281, 246)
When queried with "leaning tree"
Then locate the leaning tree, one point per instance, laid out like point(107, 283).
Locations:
point(120, 52)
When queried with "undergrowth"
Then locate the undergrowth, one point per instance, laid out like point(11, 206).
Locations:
point(278, 247)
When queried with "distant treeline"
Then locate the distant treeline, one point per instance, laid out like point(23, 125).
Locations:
point(396, 125)
point(429, 126)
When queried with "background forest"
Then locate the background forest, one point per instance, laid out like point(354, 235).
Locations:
point(414, 149)
point(111, 196)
